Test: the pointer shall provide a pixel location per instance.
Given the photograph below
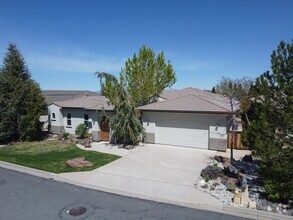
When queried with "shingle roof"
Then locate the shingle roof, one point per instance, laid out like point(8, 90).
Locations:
point(86, 102)
point(62, 95)
point(191, 99)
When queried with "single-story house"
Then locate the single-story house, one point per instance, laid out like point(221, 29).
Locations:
point(66, 115)
point(188, 117)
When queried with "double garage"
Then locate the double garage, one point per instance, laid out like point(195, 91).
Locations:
point(195, 130)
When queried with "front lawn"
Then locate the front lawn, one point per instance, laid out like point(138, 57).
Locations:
point(51, 156)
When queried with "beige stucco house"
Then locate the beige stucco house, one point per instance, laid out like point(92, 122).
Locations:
point(188, 117)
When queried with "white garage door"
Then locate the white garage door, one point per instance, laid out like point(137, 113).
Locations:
point(182, 133)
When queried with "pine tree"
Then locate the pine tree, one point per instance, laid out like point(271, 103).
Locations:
point(270, 131)
point(30, 127)
point(16, 89)
point(213, 90)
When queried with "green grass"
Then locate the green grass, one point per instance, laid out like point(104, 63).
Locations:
point(51, 156)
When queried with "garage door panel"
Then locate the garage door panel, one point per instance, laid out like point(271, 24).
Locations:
point(182, 133)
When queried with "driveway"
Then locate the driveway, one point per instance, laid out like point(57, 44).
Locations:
point(163, 173)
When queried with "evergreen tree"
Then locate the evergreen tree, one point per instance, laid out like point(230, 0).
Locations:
point(270, 131)
point(213, 90)
point(30, 127)
point(16, 89)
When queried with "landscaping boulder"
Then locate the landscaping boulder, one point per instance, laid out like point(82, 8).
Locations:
point(230, 171)
point(230, 183)
point(211, 172)
point(78, 162)
point(247, 158)
point(88, 145)
point(221, 159)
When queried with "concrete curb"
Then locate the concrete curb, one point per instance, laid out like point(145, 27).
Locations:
point(28, 170)
point(224, 209)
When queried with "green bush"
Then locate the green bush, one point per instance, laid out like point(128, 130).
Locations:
point(81, 131)
point(65, 136)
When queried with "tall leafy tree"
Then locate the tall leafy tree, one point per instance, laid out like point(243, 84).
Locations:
point(237, 91)
point(146, 75)
point(270, 133)
point(17, 89)
point(143, 78)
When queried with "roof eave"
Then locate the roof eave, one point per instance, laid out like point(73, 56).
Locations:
point(186, 111)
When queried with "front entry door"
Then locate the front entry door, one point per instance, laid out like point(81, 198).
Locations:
point(105, 131)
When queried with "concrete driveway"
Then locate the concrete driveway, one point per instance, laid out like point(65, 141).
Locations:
point(163, 173)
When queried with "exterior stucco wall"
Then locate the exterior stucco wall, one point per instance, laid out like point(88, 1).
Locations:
point(77, 118)
point(215, 124)
point(55, 124)
point(59, 123)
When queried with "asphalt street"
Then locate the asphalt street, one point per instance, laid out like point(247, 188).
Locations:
point(27, 197)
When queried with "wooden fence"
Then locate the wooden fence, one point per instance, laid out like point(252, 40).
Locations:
point(237, 140)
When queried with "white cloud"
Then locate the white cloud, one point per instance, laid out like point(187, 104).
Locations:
point(75, 63)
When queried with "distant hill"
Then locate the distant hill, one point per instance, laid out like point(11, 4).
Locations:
point(62, 95)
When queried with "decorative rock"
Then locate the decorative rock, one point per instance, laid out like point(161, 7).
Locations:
point(269, 209)
point(202, 182)
point(121, 146)
point(211, 172)
point(213, 187)
point(215, 184)
point(221, 159)
point(205, 186)
point(230, 171)
point(79, 162)
point(247, 158)
point(88, 145)
point(244, 196)
point(237, 198)
point(252, 204)
point(229, 183)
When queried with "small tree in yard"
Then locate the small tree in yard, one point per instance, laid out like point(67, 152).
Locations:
point(81, 130)
point(270, 133)
point(142, 80)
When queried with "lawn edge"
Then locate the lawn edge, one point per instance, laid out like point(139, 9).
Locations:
point(28, 170)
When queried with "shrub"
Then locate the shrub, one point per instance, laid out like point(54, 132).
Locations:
point(81, 131)
point(65, 136)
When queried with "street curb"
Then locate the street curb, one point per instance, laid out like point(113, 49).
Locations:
point(223, 209)
point(28, 170)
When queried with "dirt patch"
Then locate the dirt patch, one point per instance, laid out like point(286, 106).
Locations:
point(78, 162)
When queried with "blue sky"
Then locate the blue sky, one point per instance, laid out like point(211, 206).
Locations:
point(65, 41)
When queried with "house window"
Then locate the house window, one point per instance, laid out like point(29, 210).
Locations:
point(53, 115)
point(69, 119)
point(86, 120)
